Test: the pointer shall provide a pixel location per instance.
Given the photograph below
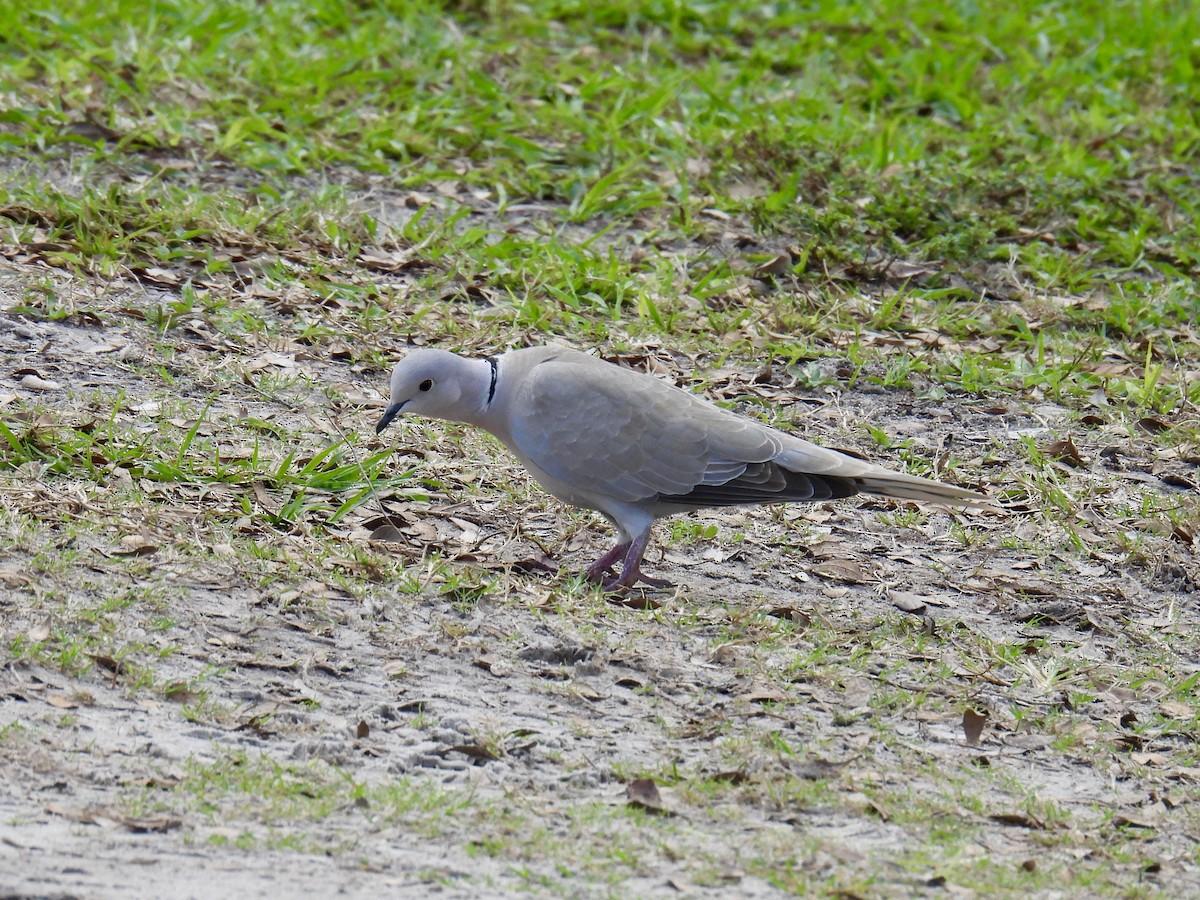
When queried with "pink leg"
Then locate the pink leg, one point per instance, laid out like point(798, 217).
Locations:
point(631, 569)
point(598, 570)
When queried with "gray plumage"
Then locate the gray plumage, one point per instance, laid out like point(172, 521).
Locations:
point(631, 446)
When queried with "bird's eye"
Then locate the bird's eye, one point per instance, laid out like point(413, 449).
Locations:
point(425, 385)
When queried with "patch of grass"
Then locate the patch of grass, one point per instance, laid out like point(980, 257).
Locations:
point(979, 219)
point(329, 483)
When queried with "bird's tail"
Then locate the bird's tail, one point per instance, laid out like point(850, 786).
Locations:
point(910, 487)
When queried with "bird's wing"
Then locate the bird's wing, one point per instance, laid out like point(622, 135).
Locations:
point(605, 431)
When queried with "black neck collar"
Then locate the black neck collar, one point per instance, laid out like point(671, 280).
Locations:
point(495, 374)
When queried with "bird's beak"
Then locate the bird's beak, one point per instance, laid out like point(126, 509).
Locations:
point(390, 413)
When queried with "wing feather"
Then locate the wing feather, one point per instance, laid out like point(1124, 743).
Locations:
point(605, 433)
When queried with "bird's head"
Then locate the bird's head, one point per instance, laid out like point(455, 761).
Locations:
point(428, 383)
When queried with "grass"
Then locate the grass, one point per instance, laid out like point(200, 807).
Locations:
point(228, 219)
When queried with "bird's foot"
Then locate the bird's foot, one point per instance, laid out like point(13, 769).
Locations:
point(631, 569)
point(597, 572)
point(630, 579)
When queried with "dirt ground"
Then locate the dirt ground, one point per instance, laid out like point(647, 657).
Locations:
point(799, 695)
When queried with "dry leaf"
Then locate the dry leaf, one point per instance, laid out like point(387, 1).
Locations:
point(12, 577)
point(156, 275)
point(107, 662)
point(972, 725)
point(1153, 426)
point(423, 531)
point(109, 346)
point(388, 533)
point(179, 692)
point(1021, 820)
point(846, 570)
point(780, 265)
point(1176, 709)
point(135, 545)
point(1064, 450)
point(40, 631)
point(93, 816)
point(791, 613)
point(1124, 820)
point(475, 751)
point(642, 793)
point(908, 602)
point(633, 601)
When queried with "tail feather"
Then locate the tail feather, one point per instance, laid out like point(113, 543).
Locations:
point(910, 487)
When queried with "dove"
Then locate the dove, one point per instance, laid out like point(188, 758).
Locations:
point(631, 446)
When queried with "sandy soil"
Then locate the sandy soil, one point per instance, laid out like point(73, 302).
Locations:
point(520, 707)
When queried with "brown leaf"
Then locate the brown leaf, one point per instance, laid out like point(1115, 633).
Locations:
point(362, 731)
point(765, 695)
point(908, 602)
point(426, 532)
point(179, 692)
point(1174, 479)
point(107, 662)
point(390, 261)
point(1153, 426)
point(12, 577)
point(156, 275)
point(40, 631)
point(1020, 820)
point(1064, 450)
point(633, 601)
point(62, 701)
point(93, 816)
point(531, 564)
point(1175, 709)
point(475, 751)
point(135, 545)
point(846, 570)
point(1124, 820)
point(389, 533)
point(780, 265)
point(791, 613)
point(642, 793)
point(972, 725)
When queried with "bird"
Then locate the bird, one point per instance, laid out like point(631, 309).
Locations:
point(632, 446)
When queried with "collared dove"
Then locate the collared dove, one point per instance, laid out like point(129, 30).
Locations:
point(632, 446)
